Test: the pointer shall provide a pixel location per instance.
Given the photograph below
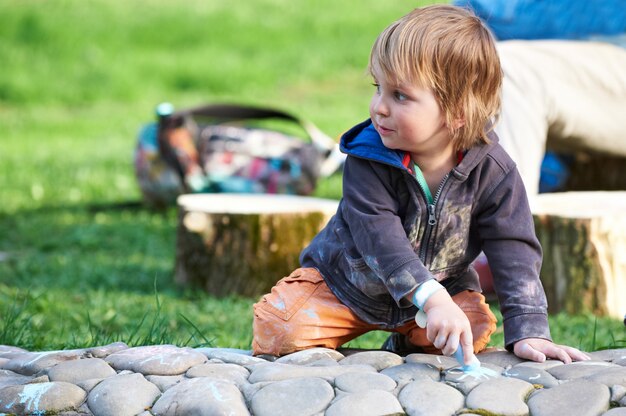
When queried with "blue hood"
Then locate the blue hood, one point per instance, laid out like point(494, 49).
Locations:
point(364, 141)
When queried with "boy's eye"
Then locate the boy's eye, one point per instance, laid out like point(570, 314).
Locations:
point(400, 96)
point(377, 86)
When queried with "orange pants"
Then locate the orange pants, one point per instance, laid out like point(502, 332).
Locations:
point(301, 312)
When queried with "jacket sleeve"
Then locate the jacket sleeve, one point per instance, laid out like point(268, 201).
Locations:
point(507, 231)
point(370, 209)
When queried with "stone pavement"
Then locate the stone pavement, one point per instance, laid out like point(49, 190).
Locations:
point(167, 380)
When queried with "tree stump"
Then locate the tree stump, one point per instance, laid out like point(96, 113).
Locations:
point(583, 235)
point(243, 244)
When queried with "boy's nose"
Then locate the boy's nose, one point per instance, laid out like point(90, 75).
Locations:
point(379, 106)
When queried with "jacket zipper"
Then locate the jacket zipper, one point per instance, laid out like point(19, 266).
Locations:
point(432, 218)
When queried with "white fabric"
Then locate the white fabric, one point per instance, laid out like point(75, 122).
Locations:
point(572, 93)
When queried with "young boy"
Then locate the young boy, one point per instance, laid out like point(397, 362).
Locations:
point(426, 189)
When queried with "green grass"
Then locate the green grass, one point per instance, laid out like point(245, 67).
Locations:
point(80, 263)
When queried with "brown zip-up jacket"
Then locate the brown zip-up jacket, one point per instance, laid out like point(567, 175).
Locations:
point(385, 239)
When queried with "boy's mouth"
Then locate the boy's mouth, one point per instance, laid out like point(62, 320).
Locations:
point(383, 131)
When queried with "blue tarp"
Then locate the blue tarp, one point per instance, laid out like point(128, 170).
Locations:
point(550, 19)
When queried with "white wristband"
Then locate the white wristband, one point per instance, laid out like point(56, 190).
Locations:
point(425, 291)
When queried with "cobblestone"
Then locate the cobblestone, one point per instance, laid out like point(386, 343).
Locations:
point(168, 380)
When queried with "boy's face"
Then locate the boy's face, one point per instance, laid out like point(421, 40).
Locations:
point(408, 117)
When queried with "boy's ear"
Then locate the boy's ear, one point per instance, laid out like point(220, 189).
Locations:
point(457, 123)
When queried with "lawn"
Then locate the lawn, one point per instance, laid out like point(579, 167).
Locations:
point(81, 262)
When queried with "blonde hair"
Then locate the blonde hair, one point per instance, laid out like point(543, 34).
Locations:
point(449, 50)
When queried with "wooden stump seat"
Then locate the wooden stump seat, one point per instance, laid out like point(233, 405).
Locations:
point(242, 244)
point(583, 235)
